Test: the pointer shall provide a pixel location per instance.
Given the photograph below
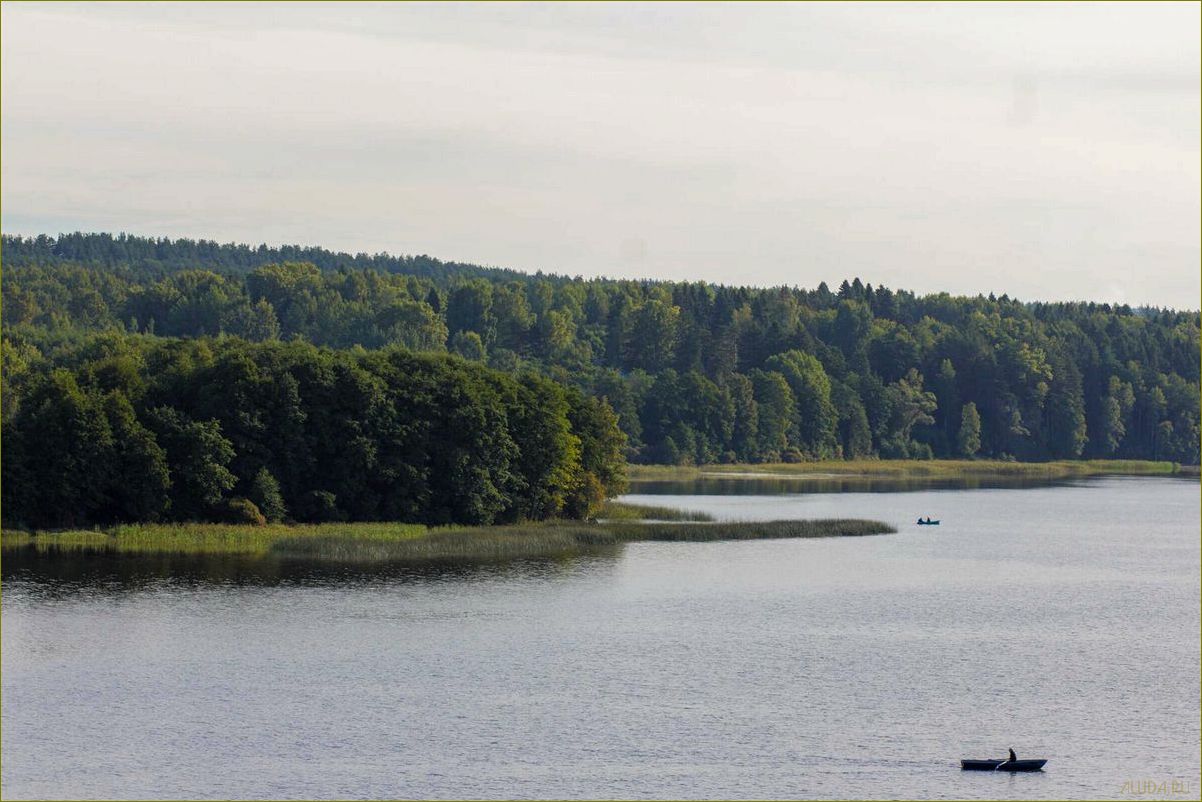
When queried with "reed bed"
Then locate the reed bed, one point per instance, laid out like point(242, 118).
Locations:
point(256, 540)
point(556, 539)
point(15, 537)
point(389, 542)
point(198, 538)
point(72, 539)
point(623, 511)
point(917, 468)
point(751, 530)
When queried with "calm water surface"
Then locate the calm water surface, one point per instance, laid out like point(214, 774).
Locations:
point(1062, 621)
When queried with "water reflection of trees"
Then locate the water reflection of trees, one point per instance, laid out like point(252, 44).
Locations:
point(53, 573)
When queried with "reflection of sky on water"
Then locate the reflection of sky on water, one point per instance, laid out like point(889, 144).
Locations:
point(1062, 621)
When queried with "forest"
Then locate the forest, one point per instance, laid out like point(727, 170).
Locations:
point(160, 337)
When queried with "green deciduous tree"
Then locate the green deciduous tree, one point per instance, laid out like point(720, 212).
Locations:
point(197, 458)
point(968, 439)
point(264, 491)
point(812, 390)
point(909, 406)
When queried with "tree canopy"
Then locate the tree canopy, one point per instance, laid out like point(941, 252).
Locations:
point(135, 428)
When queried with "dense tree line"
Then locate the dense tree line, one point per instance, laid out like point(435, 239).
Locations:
point(117, 427)
point(696, 373)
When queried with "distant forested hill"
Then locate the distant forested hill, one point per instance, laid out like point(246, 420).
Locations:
point(149, 256)
point(695, 372)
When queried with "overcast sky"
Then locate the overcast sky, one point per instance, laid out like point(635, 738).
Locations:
point(1047, 151)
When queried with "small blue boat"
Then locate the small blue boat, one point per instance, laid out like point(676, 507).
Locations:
point(927, 522)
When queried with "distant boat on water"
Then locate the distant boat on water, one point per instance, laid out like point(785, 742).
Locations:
point(927, 522)
point(1002, 765)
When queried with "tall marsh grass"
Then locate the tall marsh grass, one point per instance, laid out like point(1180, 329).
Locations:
point(751, 530)
point(197, 538)
point(623, 511)
point(72, 539)
point(377, 542)
point(553, 539)
point(15, 537)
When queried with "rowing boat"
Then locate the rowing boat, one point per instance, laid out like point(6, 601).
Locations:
point(1002, 765)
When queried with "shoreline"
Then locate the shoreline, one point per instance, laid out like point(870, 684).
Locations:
point(910, 469)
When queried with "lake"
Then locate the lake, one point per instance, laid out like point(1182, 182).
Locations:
point(1060, 620)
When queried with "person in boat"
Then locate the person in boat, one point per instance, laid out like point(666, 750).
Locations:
point(1012, 757)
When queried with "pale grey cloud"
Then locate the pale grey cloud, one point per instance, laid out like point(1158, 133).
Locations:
point(1048, 151)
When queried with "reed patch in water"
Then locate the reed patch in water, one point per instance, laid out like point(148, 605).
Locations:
point(751, 530)
point(901, 469)
point(624, 511)
point(374, 542)
point(203, 538)
point(552, 539)
point(73, 539)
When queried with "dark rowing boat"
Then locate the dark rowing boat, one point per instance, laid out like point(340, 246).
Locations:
point(928, 523)
point(1002, 765)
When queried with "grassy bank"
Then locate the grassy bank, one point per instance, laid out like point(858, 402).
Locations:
point(925, 469)
point(409, 542)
